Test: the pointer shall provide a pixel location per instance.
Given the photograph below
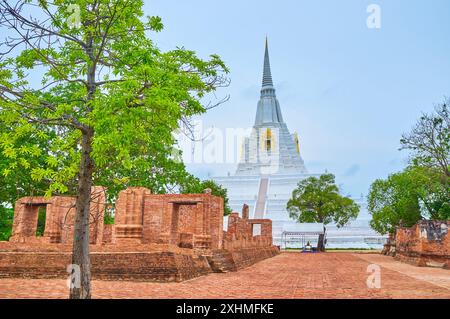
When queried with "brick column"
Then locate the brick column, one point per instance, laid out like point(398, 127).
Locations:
point(129, 213)
point(245, 211)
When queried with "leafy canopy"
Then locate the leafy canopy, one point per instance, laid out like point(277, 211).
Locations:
point(407, 197)
point(15, 180)
point(429, 140)
point(317, 200)
point(105, 76)
point(422, 190)
point(6, 221)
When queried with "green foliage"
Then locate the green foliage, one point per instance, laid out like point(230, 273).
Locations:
point(15, 177)
point(317, 200)
point(107, 77)
point(393, 203)
point(407, 197)
point(421, 191)
point(194, 186)
point(6, 222)
point(41, 222)
point(429, 140)
point(109, 219)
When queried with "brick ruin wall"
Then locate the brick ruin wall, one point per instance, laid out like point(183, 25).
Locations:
point(154, 238)
point(426, 244)
point(245, 242)
point(60, 215)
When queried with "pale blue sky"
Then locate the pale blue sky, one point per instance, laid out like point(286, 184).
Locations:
point(348, 90)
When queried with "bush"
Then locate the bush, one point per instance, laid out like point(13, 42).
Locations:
point(6, 222)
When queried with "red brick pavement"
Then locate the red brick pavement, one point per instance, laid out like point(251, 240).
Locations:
point(289, 275)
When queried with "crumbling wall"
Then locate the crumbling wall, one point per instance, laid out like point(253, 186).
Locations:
point(190, 221)
point(425, 244)
point(60, 215)
point(109, 234)
point(165, 266)
point(242, 245)
point(246, 233)
point(170, 237)
point(389, 246)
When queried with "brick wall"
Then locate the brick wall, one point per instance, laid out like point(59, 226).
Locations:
point(241, 232)
point(155, 237)
point(109, 234)
point(169, 219)
point(59, 221)
point(144, 266)
point(246, 242)
point(425, 244)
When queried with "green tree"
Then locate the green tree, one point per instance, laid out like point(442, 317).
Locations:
point(317, 200)
point(195, 186)
point(433, 191)
point(15, 180)
point(108, 97)
point(407, 197)
point(6, 221)
point(429, 140)
point(422, 190)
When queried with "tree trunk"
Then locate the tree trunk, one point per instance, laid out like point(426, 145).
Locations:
point(321, 242)
point(80, 253)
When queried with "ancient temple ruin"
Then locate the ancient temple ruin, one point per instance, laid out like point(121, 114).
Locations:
point(154, 237)
point(60, 214)
point(425, 244)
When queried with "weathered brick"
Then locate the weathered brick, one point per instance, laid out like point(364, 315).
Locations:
point(425, 244)
point(155, 237)
point(286, 276)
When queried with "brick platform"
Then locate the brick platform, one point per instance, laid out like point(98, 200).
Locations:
point(132, 266)
point(288, 275)
point(162, 238)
